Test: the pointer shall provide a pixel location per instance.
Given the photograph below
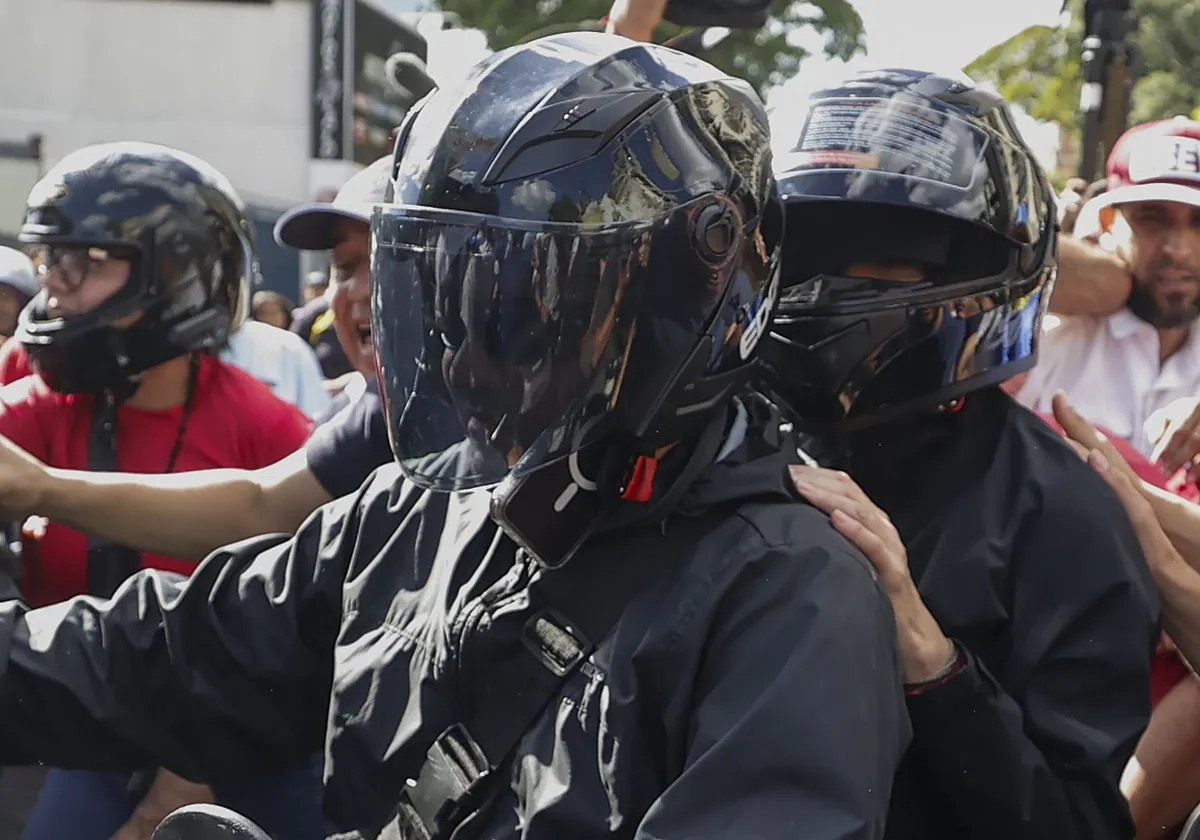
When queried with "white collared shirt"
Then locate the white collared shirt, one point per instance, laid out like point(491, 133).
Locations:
point(1109, 367)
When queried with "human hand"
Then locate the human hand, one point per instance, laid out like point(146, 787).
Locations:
point(1175, 431)
point(1085, 437)
point(636, 19)
point(23, 481)
point(167, 793)
point(1099, 452)
point(925, 650)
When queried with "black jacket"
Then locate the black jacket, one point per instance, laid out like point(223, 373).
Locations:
point(1025, 556)
point(751, 689)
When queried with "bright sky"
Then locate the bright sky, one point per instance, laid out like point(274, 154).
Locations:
point(921, 34)
point(934, 35)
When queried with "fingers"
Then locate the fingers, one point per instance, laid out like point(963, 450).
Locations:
point(830, 490)
point(35, 527)
point(857, 518)
point(1183, 444)
point(830, 501)
point(1140, 513)
point(1084, 437)
point(866, 540)
point(1080, 450)
point(1193, 473)
point(1076, 428)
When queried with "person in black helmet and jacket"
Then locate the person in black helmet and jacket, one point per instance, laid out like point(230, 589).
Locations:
point(144, 260)
point(1026, 618)
point(593, 605)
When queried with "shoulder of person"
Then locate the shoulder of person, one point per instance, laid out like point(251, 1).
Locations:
point(787, 549)
point(1068, 502)
point(265, 335)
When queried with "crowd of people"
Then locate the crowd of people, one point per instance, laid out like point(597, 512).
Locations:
point(646, 465)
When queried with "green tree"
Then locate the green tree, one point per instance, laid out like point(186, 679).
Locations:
point(763, 57)
point(1040, 69)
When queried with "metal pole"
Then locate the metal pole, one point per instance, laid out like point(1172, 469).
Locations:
point(1108, 59)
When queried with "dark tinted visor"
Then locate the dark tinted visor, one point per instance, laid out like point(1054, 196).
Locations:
point(490, 336)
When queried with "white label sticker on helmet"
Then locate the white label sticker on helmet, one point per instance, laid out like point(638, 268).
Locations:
point(759, 315)
point(1165, 159)
point(894, 136)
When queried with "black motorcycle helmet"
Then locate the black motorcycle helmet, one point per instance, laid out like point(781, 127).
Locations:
point(183, 230)
point(576, 271)
point(904, 166)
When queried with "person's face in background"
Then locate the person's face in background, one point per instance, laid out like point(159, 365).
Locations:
point(312, 291)
point(10, 308)
point(350, 294)
point(77, 280)
point(1161, 242)
point(268, 311)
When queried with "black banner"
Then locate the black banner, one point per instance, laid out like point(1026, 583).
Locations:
point(328, 79)
point(377, 106)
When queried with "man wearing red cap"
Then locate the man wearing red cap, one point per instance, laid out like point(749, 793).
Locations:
point(1119, 369)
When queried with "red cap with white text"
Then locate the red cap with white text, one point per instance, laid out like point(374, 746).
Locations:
point(1158, 161)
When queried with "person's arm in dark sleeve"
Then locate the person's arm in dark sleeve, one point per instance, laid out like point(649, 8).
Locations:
point(343, 452)
point(797, 721)
point(1040, 751)
point(224, 675)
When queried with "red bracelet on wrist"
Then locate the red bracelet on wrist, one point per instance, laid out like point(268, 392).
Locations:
point(958, 661)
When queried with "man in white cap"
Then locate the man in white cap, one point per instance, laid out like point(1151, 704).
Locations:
point(342, 228)
point(1119, 369)
point(17, 287)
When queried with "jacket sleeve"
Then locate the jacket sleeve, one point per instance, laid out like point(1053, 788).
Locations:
point(797, 719)
point(1038, 749)
point(219, 676)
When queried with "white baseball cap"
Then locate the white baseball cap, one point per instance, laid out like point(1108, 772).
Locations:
point(16, 270)
point(1158, 161)
point(310, 227)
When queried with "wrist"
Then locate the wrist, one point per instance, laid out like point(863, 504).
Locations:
point(50, 491)
point(925, 650)
point(954, 665)
point(926, 659)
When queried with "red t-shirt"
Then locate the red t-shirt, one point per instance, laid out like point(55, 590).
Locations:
point(14, 363)
point(235, 422)
point(1167, 669)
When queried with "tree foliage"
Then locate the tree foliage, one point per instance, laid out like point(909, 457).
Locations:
point(1040, 68)
point(763, 57)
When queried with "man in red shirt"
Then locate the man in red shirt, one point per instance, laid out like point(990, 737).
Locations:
point(144, 260)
